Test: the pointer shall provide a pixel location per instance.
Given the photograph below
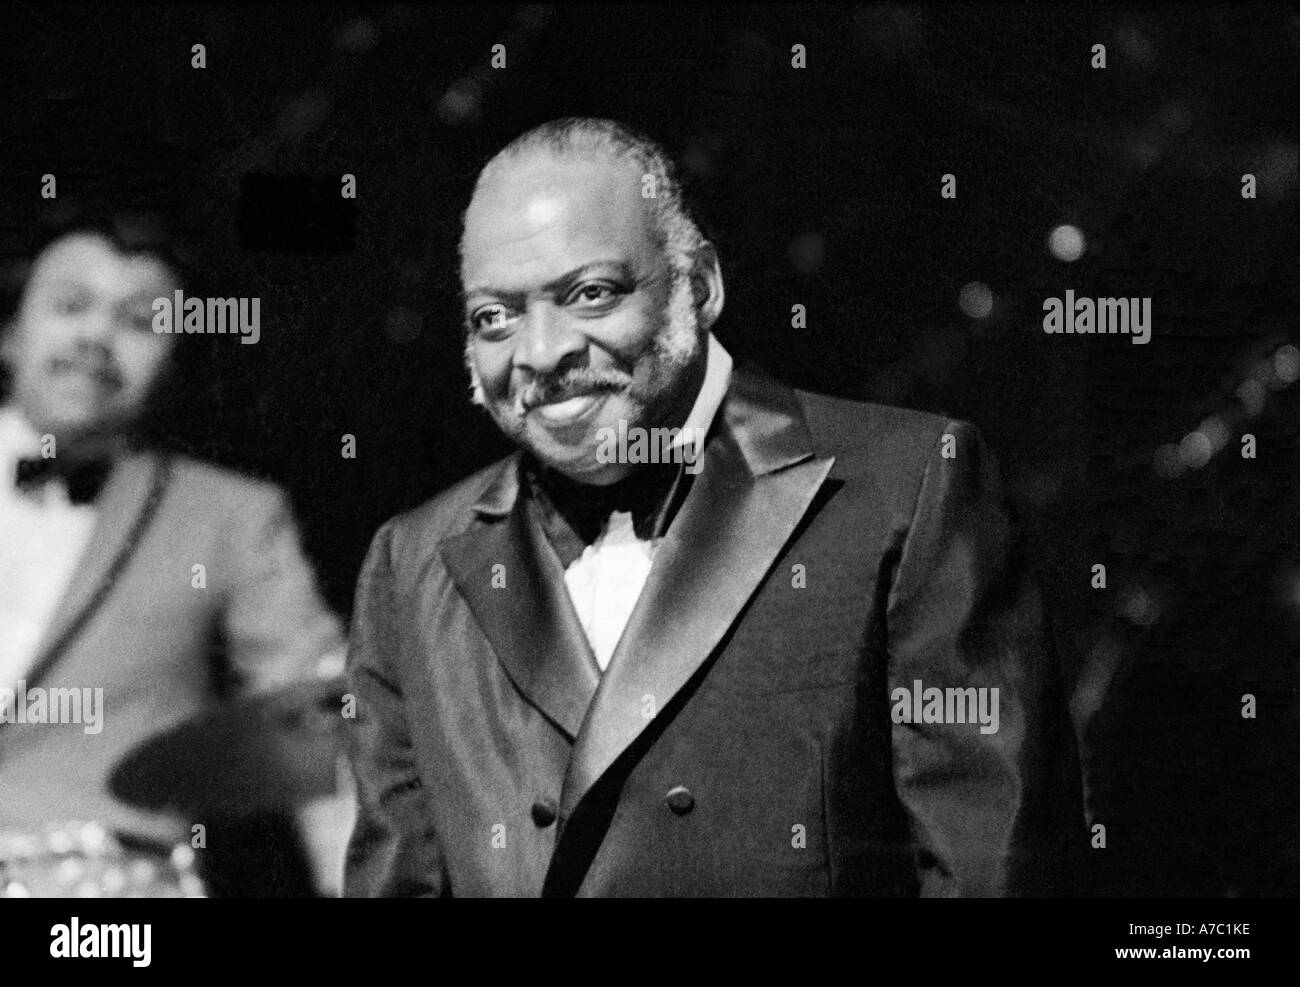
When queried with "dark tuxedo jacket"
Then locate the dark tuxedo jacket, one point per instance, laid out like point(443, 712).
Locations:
point(741, 741)
point(133, 623)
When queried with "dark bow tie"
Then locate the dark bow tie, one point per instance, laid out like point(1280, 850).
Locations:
point(651, 495)
point(82, 478)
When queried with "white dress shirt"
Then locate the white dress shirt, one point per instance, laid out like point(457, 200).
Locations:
point(606, 580)
point(42, 535)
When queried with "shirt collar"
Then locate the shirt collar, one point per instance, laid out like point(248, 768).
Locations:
point(717, 377)
point(18, 438)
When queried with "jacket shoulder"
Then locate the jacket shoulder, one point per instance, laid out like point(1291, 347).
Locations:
point(888, 435)
point(448, 512)
point(216, 490)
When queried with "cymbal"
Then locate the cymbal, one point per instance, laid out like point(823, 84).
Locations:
point(272, 751)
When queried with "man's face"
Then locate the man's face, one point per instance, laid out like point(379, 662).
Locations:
point(575, 319)
point(81, 348)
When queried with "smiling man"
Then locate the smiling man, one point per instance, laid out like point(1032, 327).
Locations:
point(614, 336)
point(594, 677)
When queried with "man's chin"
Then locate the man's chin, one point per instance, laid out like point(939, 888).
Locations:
point(577, 453)
point(574, 456)
point(76, 425)
point(587, 470)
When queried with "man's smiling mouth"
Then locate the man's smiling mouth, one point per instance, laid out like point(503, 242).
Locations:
point(570, 410)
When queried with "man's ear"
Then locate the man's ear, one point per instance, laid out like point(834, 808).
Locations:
point(706, 285)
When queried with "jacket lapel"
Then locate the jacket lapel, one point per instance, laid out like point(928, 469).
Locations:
point(530, 621)
point(130, 493)
point(760, 476)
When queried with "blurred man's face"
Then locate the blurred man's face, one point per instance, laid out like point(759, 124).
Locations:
point(81, 349)
point(575, 320)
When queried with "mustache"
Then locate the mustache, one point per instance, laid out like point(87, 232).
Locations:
point(103, 369)
point(548, 389)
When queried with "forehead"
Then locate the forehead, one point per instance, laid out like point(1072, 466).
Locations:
point(90, 260)
point(541, 216)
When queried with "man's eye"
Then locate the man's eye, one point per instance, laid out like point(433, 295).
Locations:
point(140, 321)
point(594, 294)
point(494, 318)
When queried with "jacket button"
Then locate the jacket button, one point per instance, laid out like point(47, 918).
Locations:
point(680, 800)
point(543, 814)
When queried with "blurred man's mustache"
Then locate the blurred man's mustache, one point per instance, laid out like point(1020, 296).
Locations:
point(549, 389)
point(99, 367)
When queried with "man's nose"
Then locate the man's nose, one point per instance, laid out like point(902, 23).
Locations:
point(95, 330)
point(548, 340)
point(93, 348)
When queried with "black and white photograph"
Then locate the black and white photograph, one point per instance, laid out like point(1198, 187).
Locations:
point(619, 450)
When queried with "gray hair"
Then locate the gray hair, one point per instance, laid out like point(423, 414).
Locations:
point(676, 231)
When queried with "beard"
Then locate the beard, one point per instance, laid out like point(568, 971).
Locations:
point(672, 351)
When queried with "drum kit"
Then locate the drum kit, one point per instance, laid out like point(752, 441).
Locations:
point(277, 751)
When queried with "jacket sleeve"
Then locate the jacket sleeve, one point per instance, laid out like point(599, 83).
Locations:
point(277, 627)
point(393, 851)
point(994, 806)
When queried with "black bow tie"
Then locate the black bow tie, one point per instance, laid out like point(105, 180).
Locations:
point(651, 495)
point(82, 478)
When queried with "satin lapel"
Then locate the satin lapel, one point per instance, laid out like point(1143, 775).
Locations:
point(530, 621)
point(121, 503)
point(759, 478)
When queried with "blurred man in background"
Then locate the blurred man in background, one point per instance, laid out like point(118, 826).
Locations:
point(162, 581)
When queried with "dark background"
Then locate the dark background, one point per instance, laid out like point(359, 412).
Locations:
point(820, 187)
